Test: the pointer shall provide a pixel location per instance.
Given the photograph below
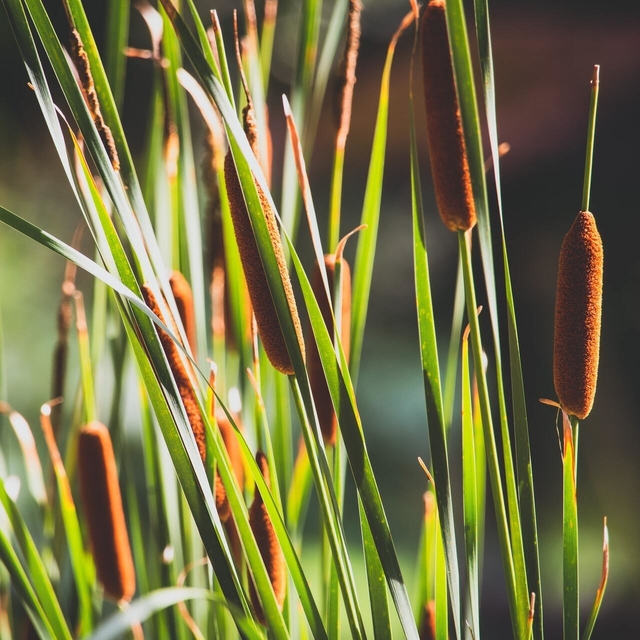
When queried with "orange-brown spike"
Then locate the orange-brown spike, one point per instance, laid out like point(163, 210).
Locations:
point(263, 307)
point(104, 514)
point(449, 164)
point(268, 545)
point(428, 626)
point(189, 399)
point(184, 301)
point(319, 389)
point(578, 317)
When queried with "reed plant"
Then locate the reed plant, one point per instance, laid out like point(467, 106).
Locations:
point(194, 523)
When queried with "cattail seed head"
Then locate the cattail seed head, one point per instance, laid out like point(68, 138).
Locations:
point(319, 389)
point(184, 301)
point(103, 510)
point(235, 455)
point(263, 307)
point(187, 394)
point(449, 164)
point(428, 626)
point(268, 545)
point(81, 61)
point(578, 317)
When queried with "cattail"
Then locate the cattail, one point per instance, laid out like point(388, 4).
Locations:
point(428, 626)
point(319, 388)
point(266, 317)
point(184, 301)
point(449, 164)
point(235, 455)
point(268, 544)
point(578, 317)
point(81, 61)
point(347, 76)
point(189, 399)
point(103, 510)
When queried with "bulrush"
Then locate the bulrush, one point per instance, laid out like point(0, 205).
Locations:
point(261, 300)
point(181, 376)
point(578, 317)
point(184, 301)
point(449, 164)
point(428, 626)
point(81, 61)
point(104, 514)
point(235, 455)
point(267, 544)
point(321, 395)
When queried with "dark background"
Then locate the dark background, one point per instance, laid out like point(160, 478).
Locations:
point(543, 54)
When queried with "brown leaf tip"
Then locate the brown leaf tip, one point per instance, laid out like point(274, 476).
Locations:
point(257, 284)
point(449, 164)
point(578, 316)
point(103, 510)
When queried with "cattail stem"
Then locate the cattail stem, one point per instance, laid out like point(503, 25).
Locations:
point(591, 129)
point(85, 359)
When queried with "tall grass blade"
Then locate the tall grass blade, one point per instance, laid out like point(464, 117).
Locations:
point(119, 623)
point(365, 255)
point(117, 36)
point(37, 576)
point(521, 427)
point(432, 383)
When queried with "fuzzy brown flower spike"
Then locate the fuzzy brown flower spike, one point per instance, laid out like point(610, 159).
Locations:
point(449, 164)
point(263, 307)
point(184, 301)
point(319, 389)
point(103, 510)
point(181, 376)
point(267, 544)
point(578, 317)
point(428, 626)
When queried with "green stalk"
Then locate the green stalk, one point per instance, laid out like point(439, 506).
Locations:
point(336, 198)
point(85, 360)
point(588, 163)
point(570, 574)
point(517, 606)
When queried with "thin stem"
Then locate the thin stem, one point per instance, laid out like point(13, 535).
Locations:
point(336, 198)
point(591, 129)
point(490, 442)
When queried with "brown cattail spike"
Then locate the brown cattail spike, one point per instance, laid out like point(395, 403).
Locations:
point(578, 317)
point(321, 395)
point(189, 399)
point(81, 61)
point(428, 626)
point(268, 545)
point(263, 307)
point(347, 76)
point(103, 510)
point(449, 164)
point(184, 301)
point(233, 449)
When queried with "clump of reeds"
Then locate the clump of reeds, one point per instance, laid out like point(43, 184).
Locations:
point(81, 61)
point(322, 398)
point(266, 317)
point(104, 513)
point(578, 317)
point(268, 544)
point(449, 164)
point(187, 394)
point(184, 301)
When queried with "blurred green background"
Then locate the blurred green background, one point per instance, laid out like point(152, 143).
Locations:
point(543, 53)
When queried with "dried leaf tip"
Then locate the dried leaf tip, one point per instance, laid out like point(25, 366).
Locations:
point(103, 510)
point(578, 317)
point(322, 397)
point(268, 544)
point(445, 136)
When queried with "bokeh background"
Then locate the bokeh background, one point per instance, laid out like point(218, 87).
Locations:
point(543, 53)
